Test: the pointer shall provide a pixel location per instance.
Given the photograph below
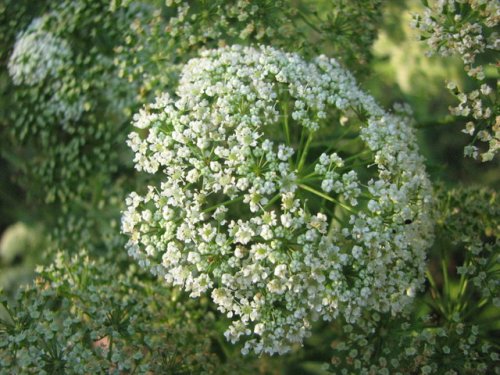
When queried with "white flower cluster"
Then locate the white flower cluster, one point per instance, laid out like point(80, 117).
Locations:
point(113, 322)
point(454, 338)
point(448, 32)
point(230, 16)
point(37, 55)
point(414, 347)
point(278, 231)
point(468, 29)
point(479, 106)
point(41, 58)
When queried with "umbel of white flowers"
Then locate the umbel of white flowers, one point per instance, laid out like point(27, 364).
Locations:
point(278, 230)
point(40, 58)
point(469, 30)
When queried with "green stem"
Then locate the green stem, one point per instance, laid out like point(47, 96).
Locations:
point(462, 291)
point(476, 309)
point(285, 122)
point(333, 216)
point(318, 193)
point(303, 156)
point(446, 283)
point(325, 196)
point(310, 179)
point(309, 23)
point(433, 286)
point(308, 176)
point(213, 208)
point(271, 202)
point(110, 347)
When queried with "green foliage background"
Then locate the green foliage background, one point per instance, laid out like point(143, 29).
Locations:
point(375, 41)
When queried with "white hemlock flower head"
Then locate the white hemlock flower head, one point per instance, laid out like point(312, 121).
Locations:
point(272, 210)
point(43, 59)
point(37, 54)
